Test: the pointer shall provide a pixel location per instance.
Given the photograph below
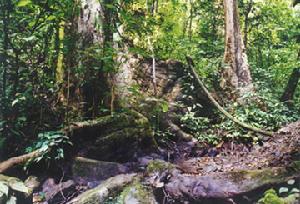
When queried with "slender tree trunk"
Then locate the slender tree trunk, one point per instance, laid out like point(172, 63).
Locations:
point(293, 81)
point(190, 31)
point(291, 86)
point(236, 79)
point(60, 58)
point(108, 46)
point(151, 46)
point(185, 22)
point(246, 27)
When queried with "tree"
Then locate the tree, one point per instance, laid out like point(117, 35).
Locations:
point(293, 81)
point(236, 78)
point(291, 86)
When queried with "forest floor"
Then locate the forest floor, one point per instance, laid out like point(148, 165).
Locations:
point(194, 159)
point(230, 156)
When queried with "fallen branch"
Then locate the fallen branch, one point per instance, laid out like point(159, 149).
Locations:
point(14, 161)
point(220, 108)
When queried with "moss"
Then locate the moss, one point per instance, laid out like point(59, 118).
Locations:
point(114, 138)
point(257, 178)
point(137, 193)
point(158, 166)
point(109, 187)
point(271, 197)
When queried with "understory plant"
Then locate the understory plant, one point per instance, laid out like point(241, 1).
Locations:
point(261, 110)
point(288, 194)
point(51, 144)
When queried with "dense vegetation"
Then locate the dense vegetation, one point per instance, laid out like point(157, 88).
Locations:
point(60, 61)
point(37, 48)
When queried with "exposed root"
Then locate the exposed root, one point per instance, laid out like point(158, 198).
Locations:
point(220, 108)
point(14, 161)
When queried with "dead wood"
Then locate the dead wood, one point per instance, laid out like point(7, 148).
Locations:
point(14, 161)
point(224, 185)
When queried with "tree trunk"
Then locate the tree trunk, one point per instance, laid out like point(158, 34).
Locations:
point(236, 79)
point(60, 58)
point(290, 89)
point(246, 27)
point(94, 28)
point(190, 31)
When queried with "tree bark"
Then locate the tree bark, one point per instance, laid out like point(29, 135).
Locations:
point(291, 86)
point(190, 31)
point(60, 58)
point(4, 166)
point(236, 79)
point(293, 81)
point(246, 27)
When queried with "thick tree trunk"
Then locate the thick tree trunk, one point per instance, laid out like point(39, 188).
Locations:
point(94, 27)
point(236, 79)
point(290, 89)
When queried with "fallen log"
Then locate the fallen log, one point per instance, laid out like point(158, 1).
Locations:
point(226, 184)
point(108, 138)
point(14, 161)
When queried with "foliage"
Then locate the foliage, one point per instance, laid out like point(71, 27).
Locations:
point(270, 196)
point(29, 86)
point(288, 195)
point(260, 110)
point(51, 144)
point(7, 185)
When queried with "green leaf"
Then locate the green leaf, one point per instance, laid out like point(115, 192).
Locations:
point(31, 38)
point(295, 190)
point(50, 18)
point(4, 188)
point(283, 190)
point(291, 182)
point(165, 107)
point(12, 200)
point(23, 3)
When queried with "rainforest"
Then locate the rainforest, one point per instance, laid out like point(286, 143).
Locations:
point(149, 101)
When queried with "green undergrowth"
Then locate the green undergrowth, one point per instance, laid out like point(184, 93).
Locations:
point(287, 193)
point(261, 110)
